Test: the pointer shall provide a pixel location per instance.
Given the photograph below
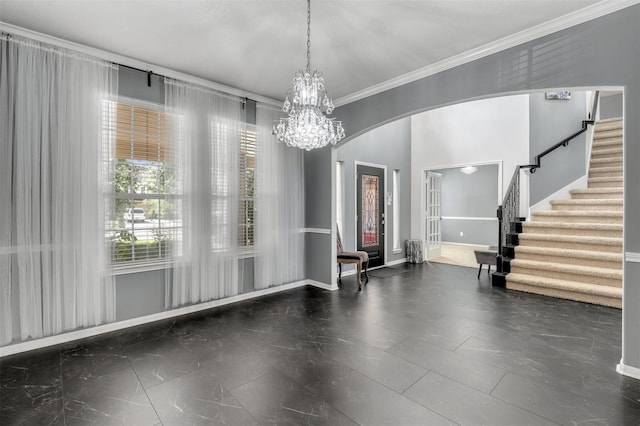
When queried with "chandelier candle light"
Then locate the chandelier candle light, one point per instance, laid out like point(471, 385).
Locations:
point(307, 106)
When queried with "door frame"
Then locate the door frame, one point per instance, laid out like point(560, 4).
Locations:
point(427, 190)
point(357, 163)
point(423, 195)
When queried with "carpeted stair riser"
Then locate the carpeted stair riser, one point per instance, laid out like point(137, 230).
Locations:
point(600, 134)
point(606, 153)
point(596, 194)
point(570, 295)
point(577, 216)
point(605, 182)
point(587, 205)
point(605, 144)
point(606, 162)
point(575, 229)
point(578, 243)
point(567, 258)
point(606, 172)
point(567, 276)
point(581, 288)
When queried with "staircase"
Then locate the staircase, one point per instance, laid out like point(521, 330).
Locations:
point(574, 250)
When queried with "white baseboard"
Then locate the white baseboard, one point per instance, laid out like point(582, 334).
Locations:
point(323, 286)
point(627, 370)
point(121, 325)
point(391, 263)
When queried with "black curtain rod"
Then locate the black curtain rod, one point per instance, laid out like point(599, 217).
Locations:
point(150, 73)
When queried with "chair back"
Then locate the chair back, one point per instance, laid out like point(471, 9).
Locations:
point(339, 240)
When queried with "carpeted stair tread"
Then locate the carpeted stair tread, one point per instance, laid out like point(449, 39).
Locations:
point(607, 134)
point(581, 294)
point(587, 254)
point(605, 182)
point(578, 270)
point(577, 216)
point(572, 257)
point(572, 242)
point(602, 161)
point(602, 169)
point(607, 152)
point(604, 121)
point(596, 191)
point(603, 143)
point(601, 290)
point(606, 171)
point(536, 226)
point(611, 204)
point(572, 238)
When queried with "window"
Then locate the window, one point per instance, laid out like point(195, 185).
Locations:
point(247, 174)
point(141, 221)
point(396, 210)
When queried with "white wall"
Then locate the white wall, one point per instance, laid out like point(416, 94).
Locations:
point(482, 131)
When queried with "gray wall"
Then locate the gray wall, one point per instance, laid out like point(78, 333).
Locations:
point(611, 106)
point(318, 182)
point(133, 84)
point(471, 196)
point(388, 145)
point(550, 122)
point(601, 52)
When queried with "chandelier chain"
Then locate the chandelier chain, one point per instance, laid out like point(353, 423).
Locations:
point(308, 35)
point(307, 124)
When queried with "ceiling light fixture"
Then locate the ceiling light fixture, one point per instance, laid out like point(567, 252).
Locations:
point(307, 105)
point(469, 170)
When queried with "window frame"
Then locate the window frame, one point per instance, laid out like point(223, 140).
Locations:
point(110, 135)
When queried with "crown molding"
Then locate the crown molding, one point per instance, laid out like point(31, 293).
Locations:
point(134, 63)
point(586, 14)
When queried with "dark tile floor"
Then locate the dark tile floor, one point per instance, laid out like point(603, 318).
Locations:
point(420, 345)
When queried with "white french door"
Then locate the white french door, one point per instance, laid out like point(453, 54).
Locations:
point(433, 228)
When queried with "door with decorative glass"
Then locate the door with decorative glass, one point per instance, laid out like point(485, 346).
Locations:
point(370, 213)
point(433, 228)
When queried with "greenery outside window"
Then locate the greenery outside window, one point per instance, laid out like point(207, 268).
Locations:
point(142, 223)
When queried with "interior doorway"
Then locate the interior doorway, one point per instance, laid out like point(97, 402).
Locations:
point(433, 235)
point(370, 235)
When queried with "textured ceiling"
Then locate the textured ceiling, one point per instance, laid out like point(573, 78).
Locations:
point(257, 45)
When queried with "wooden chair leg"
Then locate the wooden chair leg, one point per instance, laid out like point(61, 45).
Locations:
point(489, 270)
point(479, 270)
point(366, 274)
point(340, 273)
point(358, 276)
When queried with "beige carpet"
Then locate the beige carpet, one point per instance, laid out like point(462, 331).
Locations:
point(574, 250)
point(458, 254)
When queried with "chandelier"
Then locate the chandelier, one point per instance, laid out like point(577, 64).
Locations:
point(307, 105)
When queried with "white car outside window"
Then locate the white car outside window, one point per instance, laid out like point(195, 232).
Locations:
point(134, 215)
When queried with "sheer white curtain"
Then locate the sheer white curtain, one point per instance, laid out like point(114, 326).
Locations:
point(52, 241)
point(279, 217)
point(207, 167)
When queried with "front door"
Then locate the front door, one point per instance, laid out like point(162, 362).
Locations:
point(370, 213)
point(433, 229)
